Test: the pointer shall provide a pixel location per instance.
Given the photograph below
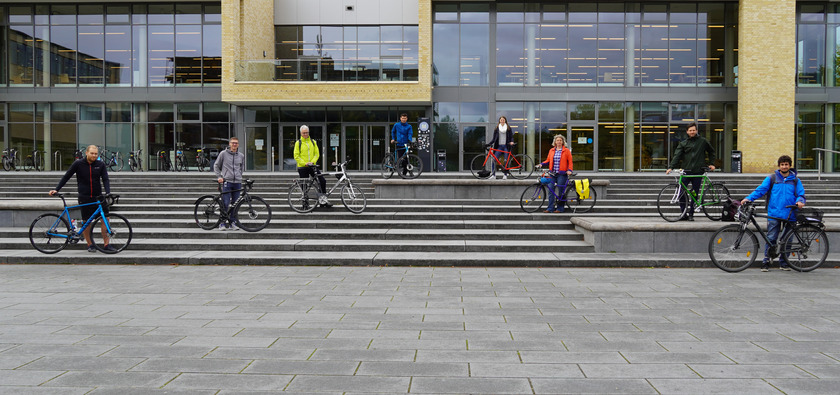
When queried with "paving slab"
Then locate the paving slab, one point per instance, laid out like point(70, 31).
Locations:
point(112, 328)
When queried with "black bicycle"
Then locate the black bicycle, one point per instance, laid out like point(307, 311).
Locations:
point(249, 212)
point(201, 160)
point(34, 161)
point(113, 160)
point(406, 165)
point(802, 242)
point(180, 161)
point(135, 161)
point(164, 163)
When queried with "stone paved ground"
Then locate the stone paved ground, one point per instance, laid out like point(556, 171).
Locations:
point(114, 329)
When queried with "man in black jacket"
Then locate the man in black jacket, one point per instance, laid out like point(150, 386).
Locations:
point(692, 153)
point(89, 170)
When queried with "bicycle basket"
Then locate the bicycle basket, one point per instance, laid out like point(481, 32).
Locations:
point(484, 173)
point(808, 214)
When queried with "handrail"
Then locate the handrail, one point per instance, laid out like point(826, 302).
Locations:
point(819, 160)
point(57, 160)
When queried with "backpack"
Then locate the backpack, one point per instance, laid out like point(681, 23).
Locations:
point(730, 209)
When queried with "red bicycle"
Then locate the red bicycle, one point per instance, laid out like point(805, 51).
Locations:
point(519, 166)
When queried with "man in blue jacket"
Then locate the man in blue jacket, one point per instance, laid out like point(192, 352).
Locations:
point(401, 134)
point(785, 190)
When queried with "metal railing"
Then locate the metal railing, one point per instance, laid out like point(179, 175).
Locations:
point(57, 160)
point(819, 160)
point(326, 70)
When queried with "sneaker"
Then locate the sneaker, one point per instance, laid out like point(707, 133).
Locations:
point(504, 177)
point(765, 266)
point(91, 248)
point(327, 205)
point(233, 227)
point(109, 248)
point(222, 227)
point(548, 211)
point(784, 267)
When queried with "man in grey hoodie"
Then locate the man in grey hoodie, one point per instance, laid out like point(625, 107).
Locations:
point(229, 168)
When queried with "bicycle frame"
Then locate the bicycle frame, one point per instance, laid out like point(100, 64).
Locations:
point(74, 235)
point(698, 199)
point(786, 226)
point(227, 213)
point(510, 157)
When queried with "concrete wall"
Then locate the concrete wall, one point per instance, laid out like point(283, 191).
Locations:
point(766, 82)
point(463, 189)
point(335, 12)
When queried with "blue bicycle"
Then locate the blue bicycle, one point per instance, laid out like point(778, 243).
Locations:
point(50, 233)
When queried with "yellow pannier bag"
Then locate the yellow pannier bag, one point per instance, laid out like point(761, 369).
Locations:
point(582, 187)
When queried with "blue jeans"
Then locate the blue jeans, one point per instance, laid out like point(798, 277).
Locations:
point(502, 156)
point(228, 196)
point(773, 226)
point(558, 181)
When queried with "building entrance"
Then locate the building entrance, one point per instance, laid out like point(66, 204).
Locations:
point(364, 145)
point(582, 141)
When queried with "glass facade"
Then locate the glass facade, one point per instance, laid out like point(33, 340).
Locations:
point(585, 44)
point(68, 45)
point(346, 53)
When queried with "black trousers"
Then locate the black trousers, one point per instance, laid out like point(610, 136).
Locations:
point(305, 172)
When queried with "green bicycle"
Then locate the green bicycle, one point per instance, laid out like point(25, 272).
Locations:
point(673, 201)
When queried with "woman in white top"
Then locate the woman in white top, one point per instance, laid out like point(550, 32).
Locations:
point(503, 141)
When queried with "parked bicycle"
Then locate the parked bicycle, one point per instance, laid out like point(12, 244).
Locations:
point(250, 212)
point(519, 166)
point(802, 242)
point(201, 160)
point(10, 159)
point(180, 160)
point(135, 161)
point(534, 196)
point(34, 161)
point(113, 160)
point(79, 153)
point(164, 163)
point(675, 199)
point(406, 165)
point(50, 233)
point(304, 194)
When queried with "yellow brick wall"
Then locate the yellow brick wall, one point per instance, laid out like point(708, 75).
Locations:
point(766, 82)
point(248, 28)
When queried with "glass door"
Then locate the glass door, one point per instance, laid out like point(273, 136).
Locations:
point(364, 145)
point(473, 138)
point(581, 138)
point(257, 152)
point(283, 144)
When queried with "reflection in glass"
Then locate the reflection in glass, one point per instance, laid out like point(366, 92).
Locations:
point(21, 52)
point(474, 138)
point(211, 67)
point(510, 68)
point(91, 55)
point(611, 54)
point(118, 55)
point(808, 137)
point(552, 51)
point(583, 53)
point(188, 54)
point(161, 54)
point(445, 64)
point(810, 54)
point(63, 55)
point(475, 51)
point(683, 54)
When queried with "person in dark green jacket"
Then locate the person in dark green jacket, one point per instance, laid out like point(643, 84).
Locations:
point(692, 153)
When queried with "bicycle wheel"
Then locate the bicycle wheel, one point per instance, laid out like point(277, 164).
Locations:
point(575, 203)
point(480, 164)
point(668, 203)
point(387, 167)
point(208, 212)
point(44, 230)
point(413, 167)
point(302, 197)
point(179, 164)
point(353, 198)
point(7, 164)
point(522, 166)
point(132, 164)
point(118, 237)
point(733, 249)
point(533, 198)
point(807, 251)
point(28, 164)
point(39, 164)
point(203, 163)
point(252, 213)
point(112, 164)
point(712, 201)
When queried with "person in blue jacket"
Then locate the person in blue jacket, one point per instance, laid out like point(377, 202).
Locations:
point(401, 135)
point(785, 189)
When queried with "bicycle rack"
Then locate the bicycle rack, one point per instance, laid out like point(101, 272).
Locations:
point(56, 165)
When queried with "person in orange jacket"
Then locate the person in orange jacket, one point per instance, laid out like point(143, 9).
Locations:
point(559, 162)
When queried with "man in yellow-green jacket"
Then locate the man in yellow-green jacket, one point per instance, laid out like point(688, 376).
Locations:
point(306, 156)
